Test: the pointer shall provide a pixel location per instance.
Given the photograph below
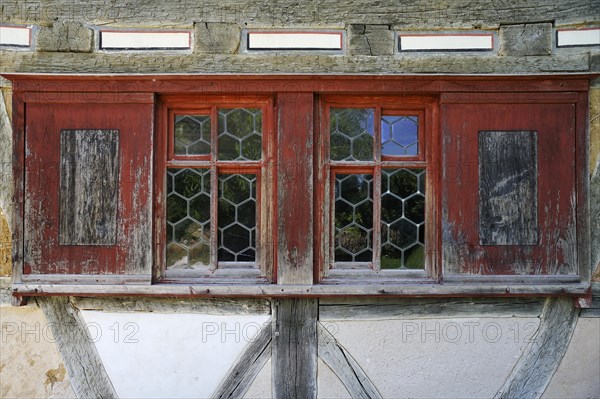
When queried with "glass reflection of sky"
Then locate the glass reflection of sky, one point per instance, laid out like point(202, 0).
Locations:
point(399, 135)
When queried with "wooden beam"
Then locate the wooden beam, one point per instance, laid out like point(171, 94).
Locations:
point(211, 306)
point(344, 366)
point(86, 371)
point(541, 358)
point(389, 309)
point(248, 366)
point(504, 289)
point(294, 348)
point(295, 188)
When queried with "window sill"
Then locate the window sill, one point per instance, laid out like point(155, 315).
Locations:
point(412, 289)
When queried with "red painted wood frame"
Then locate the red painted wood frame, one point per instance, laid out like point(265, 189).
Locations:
point(542, 89)
point(165, 157)
point(46, 117)
point(554, 120)
point(425, 108)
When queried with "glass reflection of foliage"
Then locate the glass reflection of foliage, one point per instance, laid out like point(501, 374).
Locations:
point(399, 135)
point(351, 131)
point(240, 134)
point(188, 218)
point(237, 218)
point(353, 218)
point(402, 218)
point(192, 135)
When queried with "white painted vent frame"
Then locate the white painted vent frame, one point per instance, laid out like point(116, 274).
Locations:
point(310, 41)
point(584, 37)
point(440, 42)
point(140, 40)
point(16, 36)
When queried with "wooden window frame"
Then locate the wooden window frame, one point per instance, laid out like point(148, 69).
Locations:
point(425, 107)
point(169, 106)
point(302, 94)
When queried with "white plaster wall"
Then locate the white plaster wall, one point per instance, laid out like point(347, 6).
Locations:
point(261, 386)
point(578, 375)
point(329, 385)
point(151, 355)
point(435, 358)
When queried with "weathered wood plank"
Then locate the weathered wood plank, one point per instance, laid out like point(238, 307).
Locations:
point(541, 358)
point(247, 367)
point(79, 63)
point(508, 188)
point(283, 291)
point(413, 14)
point(379, 309)
point(89, 187)
point(295, 188)
point(344, 366)
point(211, 306)
point(294, 348)
point(86, 371)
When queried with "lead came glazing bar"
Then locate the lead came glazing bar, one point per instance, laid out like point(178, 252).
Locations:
point(188, 218)
point(353, 218)
point(237, 218)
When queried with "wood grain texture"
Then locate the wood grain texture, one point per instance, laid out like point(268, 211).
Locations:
point(86, 371)
point(390, 309)
point(294, 348)
point(210, 306)
point(508, 188)
point(464, 289)
point(89, 187)
point(295, 188)
point(541, 358)
point(79, 63)
point(422, 13)
point(247, 367)
point(353, 377)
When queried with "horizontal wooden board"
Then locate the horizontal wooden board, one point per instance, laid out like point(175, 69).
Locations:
point(273, 290)
point(211, 306)
point(384, 309)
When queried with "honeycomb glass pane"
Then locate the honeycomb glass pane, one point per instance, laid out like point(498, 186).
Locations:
point(352, 132)
point(402, 219)
point(237, 218)
point(240, 134)
point(188, 218)
point(192, 135)
point(353, 218)
point(400, 135)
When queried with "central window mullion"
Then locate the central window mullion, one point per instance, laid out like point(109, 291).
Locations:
point(376, 236)
point(214, 194)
